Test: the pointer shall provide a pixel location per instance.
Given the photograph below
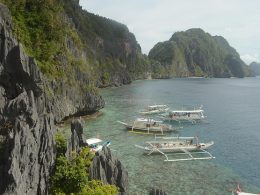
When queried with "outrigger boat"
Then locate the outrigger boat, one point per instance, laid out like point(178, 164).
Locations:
point(186, 115)
point(177, 145)
point(148, 126)
point(155, 109)
point(96, 144)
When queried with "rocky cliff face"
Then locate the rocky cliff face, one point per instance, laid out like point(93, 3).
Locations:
point(26, 130)
point(29, 107)
point(77, 138)
point(110, 48)
point(109, 170)
point(196, 53)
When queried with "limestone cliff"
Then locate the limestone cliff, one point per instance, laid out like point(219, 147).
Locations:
point(112, 48)
point(27, 110)
point(75, 48)
point(109, 170)
point(26, 126)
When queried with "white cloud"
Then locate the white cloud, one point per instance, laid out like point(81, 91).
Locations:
point(153, 21)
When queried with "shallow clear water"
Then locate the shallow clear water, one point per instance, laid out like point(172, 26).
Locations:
point(232, 108)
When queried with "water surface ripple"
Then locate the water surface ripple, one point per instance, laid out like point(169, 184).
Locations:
point(232, 107)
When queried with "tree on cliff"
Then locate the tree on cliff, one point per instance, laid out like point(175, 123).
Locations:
point(71, 175)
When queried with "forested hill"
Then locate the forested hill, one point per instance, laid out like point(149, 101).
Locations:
point(197, 53)
point(68, 41)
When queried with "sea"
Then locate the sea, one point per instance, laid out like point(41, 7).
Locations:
point(232, 107)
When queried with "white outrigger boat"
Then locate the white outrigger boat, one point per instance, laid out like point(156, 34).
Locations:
point(96, 144)
point(177, 145)
point(186, 115)
point(155, 109)
point(148, 126)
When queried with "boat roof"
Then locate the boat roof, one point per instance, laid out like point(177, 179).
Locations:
point(171, 138)
point(155, 106)
point(189, 111)
point(147, 120)
point(93, 141)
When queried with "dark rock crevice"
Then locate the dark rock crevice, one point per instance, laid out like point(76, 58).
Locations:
point(109, 170)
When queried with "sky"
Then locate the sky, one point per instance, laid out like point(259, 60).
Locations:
point(153, 21)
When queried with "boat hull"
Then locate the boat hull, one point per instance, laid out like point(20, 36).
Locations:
point(183, 119)
point(175, 149)
point(151, 129)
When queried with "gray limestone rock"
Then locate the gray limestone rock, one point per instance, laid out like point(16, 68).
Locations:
point(77, 128)
point(26, 129)
point(109, 170)
point(77, 139)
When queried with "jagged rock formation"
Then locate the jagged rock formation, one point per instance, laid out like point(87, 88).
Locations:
point(26, 130)
point(26, 115)
point(77, 139)
point(196, 53)
point(109, 170)
point(255, 67)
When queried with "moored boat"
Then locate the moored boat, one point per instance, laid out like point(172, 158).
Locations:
point(186, 115)
point(183, 145)
point(97, 144)
point(149, 126)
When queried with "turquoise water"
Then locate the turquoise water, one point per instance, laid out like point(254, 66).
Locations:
point(232, 108)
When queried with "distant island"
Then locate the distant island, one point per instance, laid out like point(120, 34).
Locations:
point(197, 53)
point(255, 67)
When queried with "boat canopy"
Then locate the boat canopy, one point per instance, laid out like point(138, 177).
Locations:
point(150, 120)
point(93, 141)
point(157, 106)
point(187, 111)
point(169, 138)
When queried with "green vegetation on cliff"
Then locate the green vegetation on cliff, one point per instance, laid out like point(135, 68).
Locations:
point(196, 53)
point(37, 25)
point(85, 50)
point(71, 175)
point(68, 42)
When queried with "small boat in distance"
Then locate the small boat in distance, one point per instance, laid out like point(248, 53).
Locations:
point(155, 109)
point(185, 115)
point(148, 126)
point(96, 144)
point(178, 145)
